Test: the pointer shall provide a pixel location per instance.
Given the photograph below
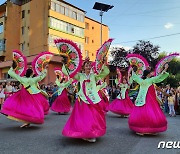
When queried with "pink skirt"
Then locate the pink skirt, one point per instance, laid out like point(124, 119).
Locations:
point(85, 121)
point(122, 106)
point(61, 103)
point(148, 118)
point(24, 106)
point(45, 103)
point(104, 103)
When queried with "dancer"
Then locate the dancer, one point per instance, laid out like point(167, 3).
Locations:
point(103, 95)
point(147, 117)
point(87, 120)
point(44, 95)
point(61, 103)
point(25, 105)
point(122, 105)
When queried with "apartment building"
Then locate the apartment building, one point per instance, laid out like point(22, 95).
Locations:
point(31, 26)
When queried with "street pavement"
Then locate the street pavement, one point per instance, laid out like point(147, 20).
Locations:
point(47, 138)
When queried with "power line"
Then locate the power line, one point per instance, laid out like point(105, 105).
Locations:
point(141, 13)
point(145, 25)
point(151, 38)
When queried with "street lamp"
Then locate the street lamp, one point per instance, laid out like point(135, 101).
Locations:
point(103, 8)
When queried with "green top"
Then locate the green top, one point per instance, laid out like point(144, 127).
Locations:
point(145, 84)
point(62, 85)
point(91, 88)
point(102, 86)
point(123, 89)
point(31, 81)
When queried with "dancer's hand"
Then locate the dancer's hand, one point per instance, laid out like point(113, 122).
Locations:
point(134, 68)
point(61, 59)
point(105, 60)
point(46, 65)
point(166, 67)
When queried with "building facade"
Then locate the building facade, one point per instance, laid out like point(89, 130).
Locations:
point(31, 26)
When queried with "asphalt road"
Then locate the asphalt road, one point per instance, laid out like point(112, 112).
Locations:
point(47, 138)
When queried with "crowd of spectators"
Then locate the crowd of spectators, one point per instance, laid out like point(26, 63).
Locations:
point(168, 97)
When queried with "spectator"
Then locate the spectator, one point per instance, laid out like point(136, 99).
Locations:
point(167, 91)
point(171, 102)
point(9, 89)
point(114, 92)
point(2, 95)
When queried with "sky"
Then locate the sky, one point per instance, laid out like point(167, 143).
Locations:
point(131, 20)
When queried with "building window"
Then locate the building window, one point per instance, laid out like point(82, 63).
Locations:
point(70, 13)
point(22, 46)
point(86, 25)
point(92, 54)
point(74, 15)
point(78, 17)
point(92, 41)
point(86, 53)
point(1, 27)
point(66, 11)
point(92, 27)
point(58, 8)
point(22, 30)
point(23, 14)
point(86, 40)
point(28, 11)
point(72, 29)
point(62, 10)
point(53, 6)
point(82, 18)
point(2, 44)
point(66, 27)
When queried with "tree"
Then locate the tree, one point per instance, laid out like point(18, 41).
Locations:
point(118, 59)
point(149, 51)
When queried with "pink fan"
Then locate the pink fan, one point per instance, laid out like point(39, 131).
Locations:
point(93, 67)
point(40, 60)
point(59, 72)
point(72, 53)
point(100, 54)
point(129, 73)
point(21, 62)
point(119, 75)
point(163, 61)
point(139, 61)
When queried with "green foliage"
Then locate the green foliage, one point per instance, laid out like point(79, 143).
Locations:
point(148, 51)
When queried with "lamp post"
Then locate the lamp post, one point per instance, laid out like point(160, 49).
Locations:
point(102, 8)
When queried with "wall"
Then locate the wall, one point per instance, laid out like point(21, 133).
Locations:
point(12, 29)
point(38, 29)
point(93, 33)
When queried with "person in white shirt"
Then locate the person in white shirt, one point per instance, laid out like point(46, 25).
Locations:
point(9, 89)
point(2, 96)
